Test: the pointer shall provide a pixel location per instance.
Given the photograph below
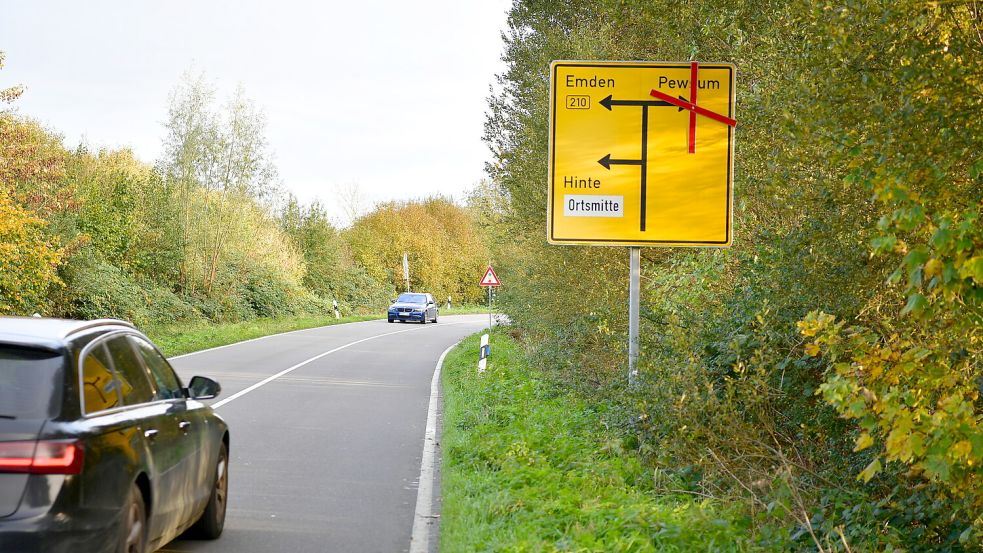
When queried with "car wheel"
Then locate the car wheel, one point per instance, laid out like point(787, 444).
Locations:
point(434, 317)
point(133, 530)
point(423, 319)
point(391, 320)
point(212, 521)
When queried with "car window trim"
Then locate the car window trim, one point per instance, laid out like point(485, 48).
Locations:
point(149, 369)
point(86, 350)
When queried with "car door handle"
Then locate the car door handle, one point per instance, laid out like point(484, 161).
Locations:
point(184, 425)
point(151, 434)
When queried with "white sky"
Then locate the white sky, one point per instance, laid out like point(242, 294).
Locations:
point(387, 94)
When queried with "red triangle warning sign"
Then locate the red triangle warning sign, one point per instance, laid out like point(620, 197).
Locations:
point(490, 278)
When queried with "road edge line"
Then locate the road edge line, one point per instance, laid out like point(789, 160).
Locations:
point(423, 514)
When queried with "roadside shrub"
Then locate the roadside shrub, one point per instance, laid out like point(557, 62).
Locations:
point(96, 289)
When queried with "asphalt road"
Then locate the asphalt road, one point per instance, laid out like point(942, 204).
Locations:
point(326, 457)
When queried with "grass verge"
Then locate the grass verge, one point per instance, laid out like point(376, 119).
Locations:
point(178, 339)
point(529, 467)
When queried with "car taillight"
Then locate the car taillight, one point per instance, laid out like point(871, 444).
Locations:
point(42, 457)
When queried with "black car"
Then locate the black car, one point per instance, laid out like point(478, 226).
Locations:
point(102, 449)
point(412, 306)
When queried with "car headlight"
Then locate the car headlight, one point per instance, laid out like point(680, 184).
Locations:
point(418, 310)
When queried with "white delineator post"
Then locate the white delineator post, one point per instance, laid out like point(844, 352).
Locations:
point(483, 353)
point(634, 285)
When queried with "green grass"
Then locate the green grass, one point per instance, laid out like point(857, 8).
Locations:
point(178, 339)
point(528, 467)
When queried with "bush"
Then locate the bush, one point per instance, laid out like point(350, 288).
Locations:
point(96, 289)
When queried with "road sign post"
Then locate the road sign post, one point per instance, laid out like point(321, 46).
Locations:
point(627, 166)
point(406, 271)
point(634, 293)
point(490, 280)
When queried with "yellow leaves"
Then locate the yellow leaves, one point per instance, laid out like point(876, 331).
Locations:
point(863, 442)
point(962, 450)
point(27, 261)
point(933, 268)
point(872, 469)
point(814, 323)
point(812, 349)
point(875, 370)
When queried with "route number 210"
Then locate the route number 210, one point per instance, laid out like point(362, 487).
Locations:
point(578, 102)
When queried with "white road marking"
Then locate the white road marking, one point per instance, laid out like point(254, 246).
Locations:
point(288, 370)
point(423, 516)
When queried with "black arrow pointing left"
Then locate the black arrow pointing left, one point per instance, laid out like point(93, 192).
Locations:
point(607, 162)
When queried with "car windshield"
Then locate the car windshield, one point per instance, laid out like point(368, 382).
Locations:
point(412, 298)
point(30, 382)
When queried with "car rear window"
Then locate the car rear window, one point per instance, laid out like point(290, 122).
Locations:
point(30, 382)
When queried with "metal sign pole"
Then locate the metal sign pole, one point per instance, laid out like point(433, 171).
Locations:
point(489, 309)
point(634, 285)
point(406, 271)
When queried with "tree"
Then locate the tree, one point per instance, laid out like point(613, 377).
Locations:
point(326, 258)
point(28, 261)
point(223, 153)
point(446, 252)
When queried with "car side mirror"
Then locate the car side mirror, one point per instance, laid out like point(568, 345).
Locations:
point(429, 303)
point(202, 387)
point(392, 300)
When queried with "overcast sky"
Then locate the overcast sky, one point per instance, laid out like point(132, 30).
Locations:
point(389, 95)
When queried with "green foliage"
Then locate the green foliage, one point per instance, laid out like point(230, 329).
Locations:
point(95, 289)
point(858, 193)
point(909, 375)
point(331, 271)
point(127, 213)
point(529, 466)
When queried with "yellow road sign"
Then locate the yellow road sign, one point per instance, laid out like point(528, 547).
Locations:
point(641, 154)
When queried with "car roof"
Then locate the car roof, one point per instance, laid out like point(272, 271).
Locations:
point(48, 333)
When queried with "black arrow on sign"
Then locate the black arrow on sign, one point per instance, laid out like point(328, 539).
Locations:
point(607, 162)
point(608, 102)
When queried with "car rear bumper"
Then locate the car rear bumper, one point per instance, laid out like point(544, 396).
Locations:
point(89, 531)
